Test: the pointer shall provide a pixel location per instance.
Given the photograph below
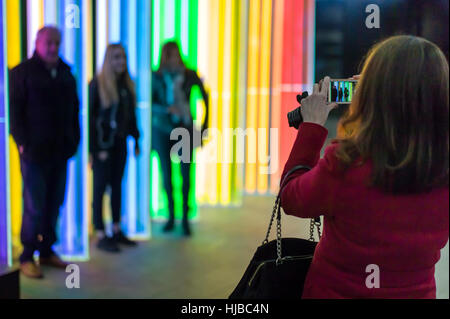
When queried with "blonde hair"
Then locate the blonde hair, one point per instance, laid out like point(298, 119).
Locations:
point(107, 79)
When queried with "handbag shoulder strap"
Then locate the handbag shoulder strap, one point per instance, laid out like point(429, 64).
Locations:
point(278, 199)
point(290, 172)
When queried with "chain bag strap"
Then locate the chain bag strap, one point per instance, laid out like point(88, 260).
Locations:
point(277, 211)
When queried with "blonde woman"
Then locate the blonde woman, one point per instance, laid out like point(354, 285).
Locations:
point(112, 103)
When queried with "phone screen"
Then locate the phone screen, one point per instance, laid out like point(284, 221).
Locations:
point(341, 91)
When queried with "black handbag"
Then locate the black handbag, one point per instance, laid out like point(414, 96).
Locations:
point(279, 267)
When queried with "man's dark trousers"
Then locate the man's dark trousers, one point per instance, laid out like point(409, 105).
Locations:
point(44, 186)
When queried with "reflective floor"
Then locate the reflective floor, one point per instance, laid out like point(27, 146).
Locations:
point(208, 265)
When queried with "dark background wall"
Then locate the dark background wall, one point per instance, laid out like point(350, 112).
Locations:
point(342, 37)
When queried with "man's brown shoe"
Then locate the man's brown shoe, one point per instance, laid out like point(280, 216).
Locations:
point(53, 261)
point(31, 270)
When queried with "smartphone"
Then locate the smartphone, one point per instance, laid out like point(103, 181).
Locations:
point(341, 91)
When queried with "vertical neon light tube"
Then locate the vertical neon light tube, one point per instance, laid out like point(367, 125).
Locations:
point(222, 41)
point(14, 57)
point(298, 55)
point(202, 36)
point(131, 33)
point(155, 51)
point(298, 63)
point(287, 96)
point(114, 17)
point(5, 224)
point(135, 37)
point(220, 80)
point(154, 159)
point(241, 84)
point(169, 19)
point(122, 17)
point(72, 230)
point(102, 31)
point(202, 63)
point(264, 98)
point(192, 24)
point(35, 20)
point(252, 93)
point(127, 29)
point(275, 120)
point(87, 64)
point(189, 14)
point(184, 27)
point(50, 11)
point(234, 56)
point(212, 180)
point(310, 11)
point(67, 219)
point(101, 43)
point(226, 7)
point(143, 85)
point(156, 32)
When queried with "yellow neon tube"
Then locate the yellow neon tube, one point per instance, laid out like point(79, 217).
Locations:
point(202, 64)
point(252, 91)
point(212, 179)
point(263, 135)
point(14, 58)
point(225, 64)
point(234, 65)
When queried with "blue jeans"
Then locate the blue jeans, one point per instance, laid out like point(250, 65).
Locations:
point(44, 186)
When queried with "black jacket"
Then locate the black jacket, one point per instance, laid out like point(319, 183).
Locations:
point(44, 110)
point(101, 135)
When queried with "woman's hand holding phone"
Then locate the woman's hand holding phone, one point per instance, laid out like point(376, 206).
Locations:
point(315, 108)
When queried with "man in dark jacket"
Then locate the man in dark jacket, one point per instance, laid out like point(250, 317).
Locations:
point(44, 123)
